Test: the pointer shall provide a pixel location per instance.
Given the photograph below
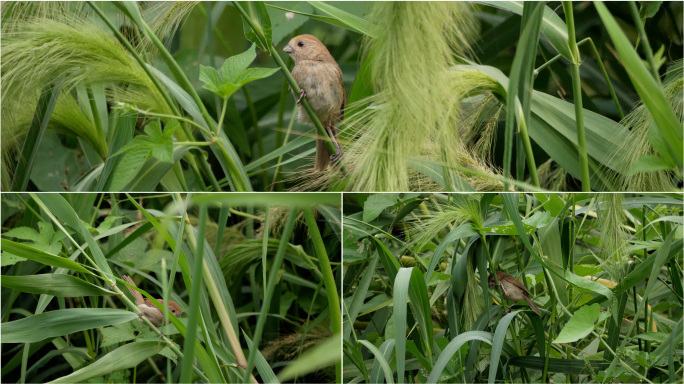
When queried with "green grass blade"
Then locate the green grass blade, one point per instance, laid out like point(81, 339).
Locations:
point(41, 117)
point(669, 127)
point(380, 358)
point(498, 343)
point(193, 305)
point(55, 285)
point(122, 358)
point(61, 322)
point(454, 345)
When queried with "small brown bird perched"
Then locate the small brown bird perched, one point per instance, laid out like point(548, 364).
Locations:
point(149, 310)
point(320, 80)
point(512, 289)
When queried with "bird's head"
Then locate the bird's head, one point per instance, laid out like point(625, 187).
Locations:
point(306, 47)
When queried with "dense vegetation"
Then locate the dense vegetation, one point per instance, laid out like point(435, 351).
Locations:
point(605, 270)
point(254, 276)
point(101, 96)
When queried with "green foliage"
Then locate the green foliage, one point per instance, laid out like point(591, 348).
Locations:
point(426, 96)
point(95, 246)
point(558, 245)
point(234, 74)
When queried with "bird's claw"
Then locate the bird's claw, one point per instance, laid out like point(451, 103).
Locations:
point(302, 94)
point(336, 157)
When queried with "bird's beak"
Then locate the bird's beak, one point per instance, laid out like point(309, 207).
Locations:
point(288, 49)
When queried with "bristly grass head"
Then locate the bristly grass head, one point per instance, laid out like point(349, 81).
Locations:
point(414, 111)
point(639, 122)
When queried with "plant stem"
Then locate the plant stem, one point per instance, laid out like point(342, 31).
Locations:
point(293, 84)
point(241, 184)
point(223, 114)
point(528, 151)
point(268, 293)
point(601, 66)
point(644, 37)
point(257, 132)
point(150, 75)
point(577, 95)
point(287, 136)
point(328, 279)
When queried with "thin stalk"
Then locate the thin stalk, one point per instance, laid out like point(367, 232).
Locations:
point(291, 81)
point(218, 303)
point(268, 293)
point(644, 37)
point(257, 131)
point(287, 136)
point(195, 289)
point(328, 279)
point(601, 66)
point(223, 114)
point(483, 239)
point(529, 156)
point(234, 173)
point(577, 95)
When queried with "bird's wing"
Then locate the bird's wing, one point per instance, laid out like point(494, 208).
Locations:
point(136, 295)
point(517, 283)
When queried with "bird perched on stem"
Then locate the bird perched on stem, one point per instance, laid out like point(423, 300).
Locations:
point(320, 79)
point(512, 289)
point(147, 308)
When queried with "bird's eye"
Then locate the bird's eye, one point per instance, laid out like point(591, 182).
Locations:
point(301, 44)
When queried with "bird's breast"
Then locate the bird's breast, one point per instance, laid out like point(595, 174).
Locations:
point(324, 92)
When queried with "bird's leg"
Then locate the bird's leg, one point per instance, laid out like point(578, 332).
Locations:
point(334, 158)
point(302, 94)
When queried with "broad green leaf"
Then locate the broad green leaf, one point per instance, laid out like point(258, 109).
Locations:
point(55, 285)
point(211, 78)
point(251, 74)
point(46, 239)
point(235, 64)
point(587, 285)
point(61, 322)
point(375, 204)
point(129, 166)
point(580, 325)
point(124, 357)
point(658, 337)
point(28, 252)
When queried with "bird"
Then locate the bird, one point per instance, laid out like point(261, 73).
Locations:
point(320, 79)
point(513, 289)
point(147, 308)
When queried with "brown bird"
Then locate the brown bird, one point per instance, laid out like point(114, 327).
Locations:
point(147, 308)
point(320, 80)
point(513, 289)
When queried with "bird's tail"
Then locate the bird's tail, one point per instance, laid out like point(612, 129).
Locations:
point(136, 295)
point(533, 305)
point(322, 154)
